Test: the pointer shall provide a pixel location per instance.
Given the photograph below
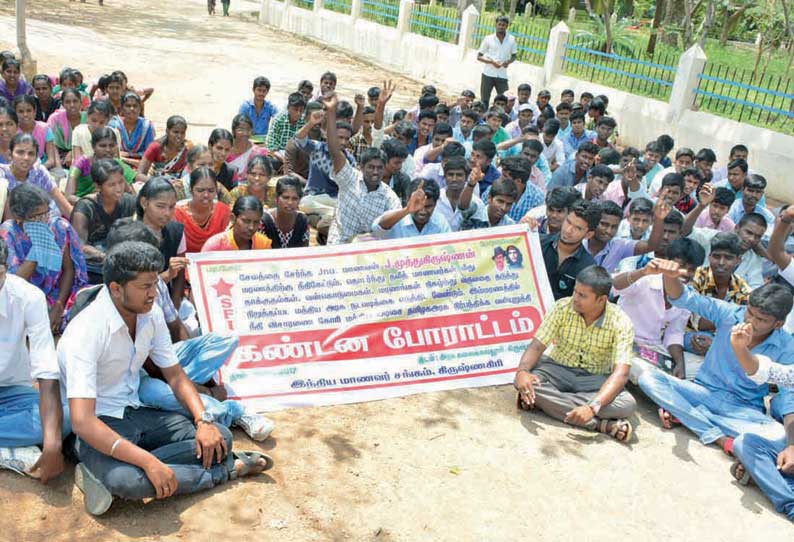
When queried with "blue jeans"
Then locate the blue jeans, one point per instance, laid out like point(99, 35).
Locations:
point(170, 437)
point(758, 454)
point(201, 358)
point(20, 419)
point(709, 414)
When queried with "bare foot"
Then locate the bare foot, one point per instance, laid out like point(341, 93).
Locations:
point(726, 444)
point(244, 469)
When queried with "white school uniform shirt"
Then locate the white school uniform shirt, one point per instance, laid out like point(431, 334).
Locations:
point(500, 51)
point(24, 315)
point(98, 359)
point(555, 151)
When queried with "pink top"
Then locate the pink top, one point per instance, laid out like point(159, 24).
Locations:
point(654, 325)
point(614, 193)
point(39, 133)
point(704, 221)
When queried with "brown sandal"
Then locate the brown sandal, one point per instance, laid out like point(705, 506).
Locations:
point(740, 474)
point(618, 426)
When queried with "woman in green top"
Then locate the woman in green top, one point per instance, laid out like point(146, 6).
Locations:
point(104, 145)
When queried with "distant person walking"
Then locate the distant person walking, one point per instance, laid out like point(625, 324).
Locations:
point(211, 7)
point(226, 4)
point(497, 52)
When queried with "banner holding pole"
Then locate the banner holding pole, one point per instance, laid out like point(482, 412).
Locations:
point(367, 321)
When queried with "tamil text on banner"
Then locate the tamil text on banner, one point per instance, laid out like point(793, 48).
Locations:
point(329, 325)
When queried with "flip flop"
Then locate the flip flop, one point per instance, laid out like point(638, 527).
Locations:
point(672, 420)
point(250, 460)
point(96, 496)
point(744, 479)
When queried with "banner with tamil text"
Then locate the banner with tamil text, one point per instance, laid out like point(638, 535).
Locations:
point(367, 321)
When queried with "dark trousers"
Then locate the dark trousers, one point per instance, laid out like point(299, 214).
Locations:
point(487, 84)
point(170, 437)
point(564, 388)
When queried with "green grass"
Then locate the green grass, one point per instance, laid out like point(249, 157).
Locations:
point(339, 6)
point(305, 4)
point(437, 22)
point(733, 62)
point(527, 32)
point(383, 12)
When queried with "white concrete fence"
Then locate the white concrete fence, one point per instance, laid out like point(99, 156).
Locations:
point(454, 66)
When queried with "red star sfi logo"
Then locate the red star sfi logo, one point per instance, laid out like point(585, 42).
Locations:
point(224, 291)
point(223, 288)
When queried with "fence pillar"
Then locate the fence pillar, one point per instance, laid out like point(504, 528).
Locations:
point(404, 17)
point(318, 5)
point(285, 20)
point(355, 10)
point(264, 12)
point(468, 29)
point(555, 50)
point(687, 79)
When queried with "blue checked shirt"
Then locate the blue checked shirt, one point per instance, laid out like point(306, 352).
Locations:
point(531, 198)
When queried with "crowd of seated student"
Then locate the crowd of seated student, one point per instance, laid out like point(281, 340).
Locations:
point(686, 251)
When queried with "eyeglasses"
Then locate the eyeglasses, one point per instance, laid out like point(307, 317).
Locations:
point(43, 216)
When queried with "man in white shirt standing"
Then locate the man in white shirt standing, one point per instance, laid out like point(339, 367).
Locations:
point(125, 449)
point(28, 418)
point(497, 52)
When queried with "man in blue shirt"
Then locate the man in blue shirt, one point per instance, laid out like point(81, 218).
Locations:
point(575, 170)
point(258, 109)
point(518, 169)
point(577, 134)
point(723, 401)
point(494, 211)
point(417, 218)
point(462, 132)
point(750, 200)
point(482, 155)
point(770, 461)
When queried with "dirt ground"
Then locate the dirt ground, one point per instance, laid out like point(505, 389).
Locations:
point(457, 466)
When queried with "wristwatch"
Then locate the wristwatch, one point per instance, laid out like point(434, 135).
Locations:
point(595, 406)
point(206, 417)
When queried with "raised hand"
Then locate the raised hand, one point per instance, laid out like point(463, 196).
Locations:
point(669, 268)
point(662, 208)
point(330, 101)
point(706, 194)
point(787, 215)
point(741, 335)
point(386, 92)
point(418, 199)
point(316, 117)
point(359, 100)
point(476, 175)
